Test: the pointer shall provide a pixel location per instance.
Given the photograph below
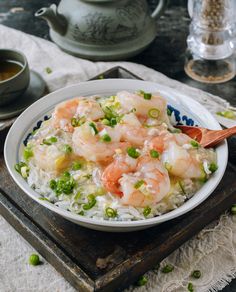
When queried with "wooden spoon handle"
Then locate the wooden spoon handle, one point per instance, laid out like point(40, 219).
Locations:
point(212, 138)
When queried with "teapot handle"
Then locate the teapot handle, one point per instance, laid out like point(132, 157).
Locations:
point(190, 8)
point(159, 9)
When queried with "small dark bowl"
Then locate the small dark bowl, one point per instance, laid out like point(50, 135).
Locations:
point(15, 86)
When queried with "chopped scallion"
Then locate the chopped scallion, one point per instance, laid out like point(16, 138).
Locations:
point(91, 203)
point(227, 114)
point(132, 152)
point(113, 121)
point(194, 143)
point(22, 168)
point(48, 70)
point(28, 153)
point(93, 126)
point(110, 212)
point(168, 166)
point(190, 287)
point(147, 96)
point(63, 185)
point(168, 112)
point(34, 260)
point(181, 187)
point(154, 153)
point(74, 122)
point(106, 138)
point(138, 184)
point(50, 141)
point(77, 122)
point(76, 165)
point(147, 210)
point(142, 281)
point(106, 122)
point(196, 274)
point(67, 149)
point(233, 209)
point(44, 199)
point(213, 167)
point(167, 269)
point(78, 196)
point(154, 113)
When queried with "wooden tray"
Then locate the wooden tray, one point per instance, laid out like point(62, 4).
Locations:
point(97, 261)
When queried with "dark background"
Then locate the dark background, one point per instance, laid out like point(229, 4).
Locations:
point(166, 53)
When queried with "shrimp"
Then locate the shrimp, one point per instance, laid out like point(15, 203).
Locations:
point(130, 101)
point(179, 160)
point(114, 171)
point(161, 142)
point(132, 131)
point(156, 184)
point(63, 113)
point(89, 109)
point(77, 107)
point(90, 146)
point(121, 178)
point(51, 158)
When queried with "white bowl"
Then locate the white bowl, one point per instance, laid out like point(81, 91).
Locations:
point(186, 109)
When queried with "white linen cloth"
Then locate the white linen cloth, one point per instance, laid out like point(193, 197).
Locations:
point(213, 250)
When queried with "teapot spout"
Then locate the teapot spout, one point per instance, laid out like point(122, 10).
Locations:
point(55, 20)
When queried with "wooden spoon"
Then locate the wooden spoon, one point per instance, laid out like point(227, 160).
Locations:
point(206, 137)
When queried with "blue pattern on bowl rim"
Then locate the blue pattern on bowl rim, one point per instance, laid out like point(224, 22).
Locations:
point(180, 120)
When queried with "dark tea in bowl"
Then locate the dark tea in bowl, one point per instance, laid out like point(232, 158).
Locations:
point(8, 69)
point(14, 75)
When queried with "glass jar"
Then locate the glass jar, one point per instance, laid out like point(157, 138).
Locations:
point(211, 42)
